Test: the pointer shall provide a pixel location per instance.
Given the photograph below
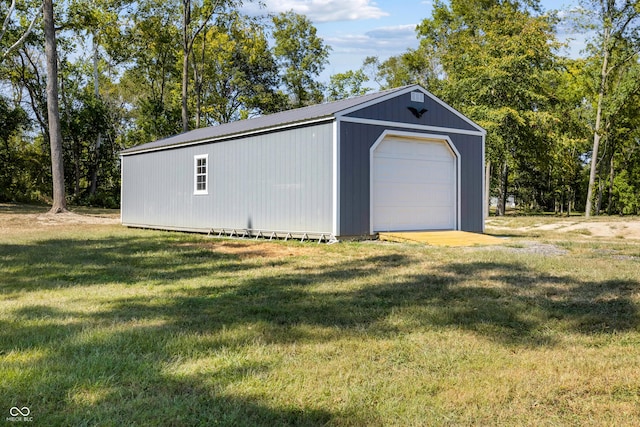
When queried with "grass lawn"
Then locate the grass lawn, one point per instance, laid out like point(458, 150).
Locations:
point(104, 325)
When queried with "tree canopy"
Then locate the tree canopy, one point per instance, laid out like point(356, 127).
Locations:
point(563, 133)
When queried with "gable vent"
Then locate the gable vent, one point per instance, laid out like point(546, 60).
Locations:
point(417, 97)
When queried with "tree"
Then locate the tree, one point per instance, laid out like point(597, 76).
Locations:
point(98, 20)
point(14, 119)
point(19, 35)
point(83, 118)
point(236, 75)
point(619, 23)
point(570, 134)
point(415, 66)
point(53, 112)
point(149, 88)
point(347, 85)
point(195, 17)
point(491, 59)
point(302, 56)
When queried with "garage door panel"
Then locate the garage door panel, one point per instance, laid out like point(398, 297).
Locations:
point(414, 185)
point(443, 181)
point(438, 219)
point(441, 157)
point(408, 178)
point(426, 149)
point(412, 169)
point(410, 160)
point(424, 195)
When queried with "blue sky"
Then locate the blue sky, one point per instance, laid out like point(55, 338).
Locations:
point(356, 29)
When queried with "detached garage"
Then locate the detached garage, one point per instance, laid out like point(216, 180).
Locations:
point(396, 160)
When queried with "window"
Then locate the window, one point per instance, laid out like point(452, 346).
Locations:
point(201, 174)
point(417, 97)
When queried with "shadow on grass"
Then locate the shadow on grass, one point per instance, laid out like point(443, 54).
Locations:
point(121, 363)
point(515, 312)
point(62, 263)
point(503, 235)
point(19, 208)
point(127, 378)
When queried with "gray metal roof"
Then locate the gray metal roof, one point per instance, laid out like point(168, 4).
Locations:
point(290, 117)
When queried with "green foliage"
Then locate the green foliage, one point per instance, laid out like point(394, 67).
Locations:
point(13, 153)
point(495, 62)
point(239, 74)
point(347, 85)
point(625, 190)
point(149, 87)
point(19, 24)
point(411, 67)
point(302, 56)
point(84, 117)
point(153, 120)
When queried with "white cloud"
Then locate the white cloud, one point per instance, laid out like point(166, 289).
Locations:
point(395, 32)
point(383, 41)
point(570, 30)
point(328, 10)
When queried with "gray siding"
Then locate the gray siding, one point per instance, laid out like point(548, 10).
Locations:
point(471, 176)
point(355, 142)
point(279, 181)
point(395, 110)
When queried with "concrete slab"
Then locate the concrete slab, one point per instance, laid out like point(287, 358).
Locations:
point(442, 238)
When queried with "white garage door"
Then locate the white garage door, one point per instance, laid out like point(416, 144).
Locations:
point(414, 185)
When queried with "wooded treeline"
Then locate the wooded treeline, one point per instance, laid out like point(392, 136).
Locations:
point(560, 131)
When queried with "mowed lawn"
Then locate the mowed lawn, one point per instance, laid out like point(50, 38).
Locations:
point(104, 325)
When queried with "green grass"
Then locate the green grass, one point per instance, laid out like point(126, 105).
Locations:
point(103, 325)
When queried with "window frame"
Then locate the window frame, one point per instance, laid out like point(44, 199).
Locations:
point(196, 174)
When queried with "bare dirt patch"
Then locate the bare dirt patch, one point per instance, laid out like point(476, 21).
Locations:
point(252, 249)
point(69, 218)
point(15, 217)
point(623, 229)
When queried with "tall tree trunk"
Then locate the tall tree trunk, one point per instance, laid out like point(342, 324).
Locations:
point(197, 76)
point(197, 87)
point(598, 126)
point(76, 168)
point(599, 197)
point(502, 198)
point(186, 20)
point(53, 111)
point(611, 178)
point(96, 92)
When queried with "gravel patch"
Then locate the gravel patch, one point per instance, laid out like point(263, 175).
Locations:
point(529, 247)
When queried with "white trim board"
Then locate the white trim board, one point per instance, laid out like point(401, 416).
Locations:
point(409, 126)
point(336, 178)
point(485, 206)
